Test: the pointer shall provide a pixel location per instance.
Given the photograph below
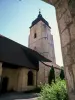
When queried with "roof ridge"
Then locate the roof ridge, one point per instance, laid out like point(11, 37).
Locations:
point(39, 18)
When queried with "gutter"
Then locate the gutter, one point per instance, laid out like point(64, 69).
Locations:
point(49, 65)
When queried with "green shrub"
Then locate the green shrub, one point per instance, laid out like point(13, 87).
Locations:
point(62, 76)
point(51, 76)
point(55, 91)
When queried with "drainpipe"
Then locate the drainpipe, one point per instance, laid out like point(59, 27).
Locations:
point(44, 74)
point(36, 77)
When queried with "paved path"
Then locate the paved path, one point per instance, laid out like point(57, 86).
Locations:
point(19, 96)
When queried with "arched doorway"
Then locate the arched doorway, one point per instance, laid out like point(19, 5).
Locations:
point(30, 78)
point(4, 84)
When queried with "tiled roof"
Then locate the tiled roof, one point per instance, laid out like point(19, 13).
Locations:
point(39, 18)
point(19, 55)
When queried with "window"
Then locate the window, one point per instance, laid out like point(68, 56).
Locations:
point(30, 78)
point(35, 35)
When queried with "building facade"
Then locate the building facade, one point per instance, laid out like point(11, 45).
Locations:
point(41, 40)
point(22, 68)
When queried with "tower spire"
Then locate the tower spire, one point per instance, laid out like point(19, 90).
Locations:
point(39, 15)
point(39, 11)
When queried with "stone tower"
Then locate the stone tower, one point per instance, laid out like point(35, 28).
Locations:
point(40, 38)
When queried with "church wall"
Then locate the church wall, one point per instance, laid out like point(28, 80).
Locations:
point(56, 67)
point(12, 75)
point(37, 45)
point(44, 72)
point(46, 32)
point(18, 79)
point(47, 70)
point(43, 43)
point(51, 50)
point(35, 29)
point(40, 42)
point(23, 77)
point(41, 74)
point(0, 73)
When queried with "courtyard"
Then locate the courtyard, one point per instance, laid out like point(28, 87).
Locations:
point(19, 96)
point(65, 15)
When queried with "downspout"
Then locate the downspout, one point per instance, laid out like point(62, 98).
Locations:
point(44, 74)
point(36, 78)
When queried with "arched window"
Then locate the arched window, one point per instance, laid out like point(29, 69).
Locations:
point(35, 35)
point(30, 78)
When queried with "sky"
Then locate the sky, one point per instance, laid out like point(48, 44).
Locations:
point(16, 17)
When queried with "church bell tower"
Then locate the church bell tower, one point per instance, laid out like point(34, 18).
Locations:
point(40, 38)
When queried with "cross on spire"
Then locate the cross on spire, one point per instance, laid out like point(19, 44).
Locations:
point(39, 11)
point(39, 15)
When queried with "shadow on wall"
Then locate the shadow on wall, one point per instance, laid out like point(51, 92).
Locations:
point(4, 84)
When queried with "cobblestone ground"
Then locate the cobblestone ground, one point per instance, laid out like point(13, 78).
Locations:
point(19, 96)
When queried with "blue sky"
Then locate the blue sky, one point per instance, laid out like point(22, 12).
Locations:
point(16, 17)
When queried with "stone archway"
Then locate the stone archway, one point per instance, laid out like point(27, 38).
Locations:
point(65, 13)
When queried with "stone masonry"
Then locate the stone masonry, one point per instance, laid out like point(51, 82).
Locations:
point(44, 45)
point(65, 13)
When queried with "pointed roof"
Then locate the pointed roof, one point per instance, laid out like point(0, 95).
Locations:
point(39, 18)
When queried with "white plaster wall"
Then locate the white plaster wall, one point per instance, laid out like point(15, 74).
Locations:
point(18, 79)
point(12, 75)
point(23, 78)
